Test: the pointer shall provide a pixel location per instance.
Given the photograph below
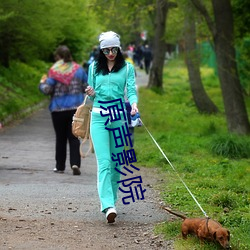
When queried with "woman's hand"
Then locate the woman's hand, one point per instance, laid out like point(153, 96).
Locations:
point(134, 109)
point(90, 91)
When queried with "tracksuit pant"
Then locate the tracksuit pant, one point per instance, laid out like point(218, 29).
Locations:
point(104, 146)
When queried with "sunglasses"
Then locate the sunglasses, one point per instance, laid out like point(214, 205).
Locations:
point(106, 51)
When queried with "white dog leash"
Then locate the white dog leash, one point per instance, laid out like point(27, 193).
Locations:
point(174, 170)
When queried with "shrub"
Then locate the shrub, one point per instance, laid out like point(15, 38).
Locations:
point(231, 146)
point(223, 200)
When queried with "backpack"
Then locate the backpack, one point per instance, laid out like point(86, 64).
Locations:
point(81, 126)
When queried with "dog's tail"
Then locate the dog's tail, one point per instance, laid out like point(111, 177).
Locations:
point(175, 213)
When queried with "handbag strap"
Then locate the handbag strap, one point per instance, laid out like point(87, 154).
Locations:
point(126, 83)
point(85, 99)
point(86, 137)
point(92, 73)
point(90, 149)
point(84, 140)
point(126, 75)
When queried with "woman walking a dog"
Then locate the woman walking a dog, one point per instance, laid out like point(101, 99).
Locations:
point(108, 77)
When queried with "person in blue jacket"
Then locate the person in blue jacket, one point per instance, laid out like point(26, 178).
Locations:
point(65, 83)
point(108, 77)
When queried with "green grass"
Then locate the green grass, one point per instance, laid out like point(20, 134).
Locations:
point(214, 164)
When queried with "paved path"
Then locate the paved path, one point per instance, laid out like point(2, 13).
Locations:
point(27, 160)
point(29, 189)
point(141, 78)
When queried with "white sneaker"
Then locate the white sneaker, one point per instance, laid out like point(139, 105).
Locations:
point(58, 171)
point(111, 214)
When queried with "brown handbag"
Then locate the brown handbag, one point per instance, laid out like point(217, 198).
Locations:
point(81, 126)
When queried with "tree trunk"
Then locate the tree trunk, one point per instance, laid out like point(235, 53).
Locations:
point(235, 109)
point(201, 99)
point(223, 38)
point(159, 47)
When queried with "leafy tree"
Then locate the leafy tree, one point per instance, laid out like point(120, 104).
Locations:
point(23, 33)
point(126, 17)
point(241, 18)
point(78, 29)
point(221, 28)
point(242, 33)
point(156, 72)
point(201, 99)
point(175, 24)
point(28, 33)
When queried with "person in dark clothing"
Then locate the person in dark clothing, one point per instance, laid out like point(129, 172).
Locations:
point(93, 55)
point(138, 55)
point(147, 54)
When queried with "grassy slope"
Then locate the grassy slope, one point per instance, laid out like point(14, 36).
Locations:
point(19, 87)
point(220, 184)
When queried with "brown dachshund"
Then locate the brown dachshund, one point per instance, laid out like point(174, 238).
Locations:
point(204, 229)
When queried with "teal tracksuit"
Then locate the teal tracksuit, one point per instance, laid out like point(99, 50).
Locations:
point(107, 88)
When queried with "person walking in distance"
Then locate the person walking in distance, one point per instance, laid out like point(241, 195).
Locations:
point(147, 54)
point(108, 78)
point(65, 83)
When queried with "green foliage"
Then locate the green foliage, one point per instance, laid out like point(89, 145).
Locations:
point(127, 17)
point(175, 25)
point(175, 28)
point(29, 33)
point(219, 183)
point(243, 59)
point(241, 17)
